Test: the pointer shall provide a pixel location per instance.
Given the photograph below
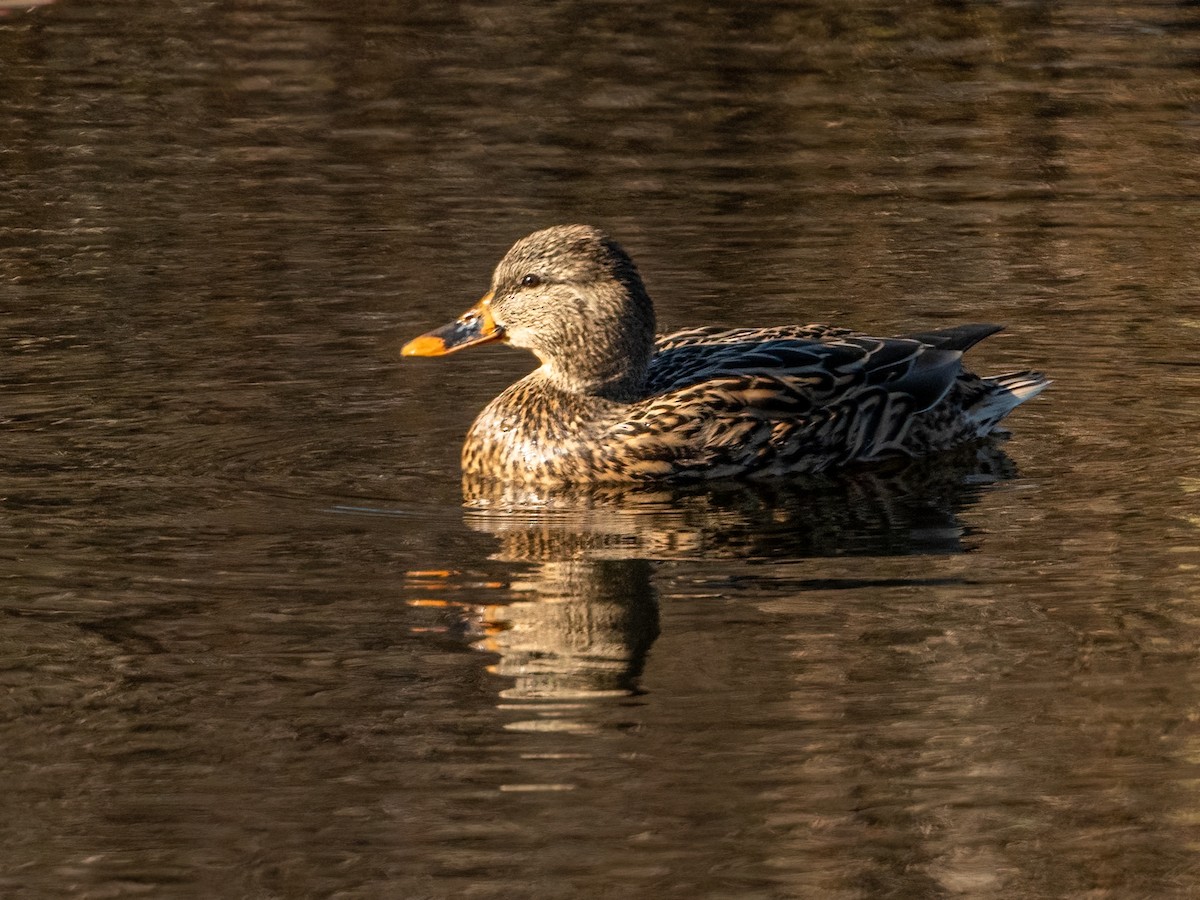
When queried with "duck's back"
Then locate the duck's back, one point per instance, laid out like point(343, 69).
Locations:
point(825, 363)
point(805, 398)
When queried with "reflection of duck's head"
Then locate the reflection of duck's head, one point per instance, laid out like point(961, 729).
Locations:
point(571, 296)
point(582, 628)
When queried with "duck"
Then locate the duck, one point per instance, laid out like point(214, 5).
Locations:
point(612, 401)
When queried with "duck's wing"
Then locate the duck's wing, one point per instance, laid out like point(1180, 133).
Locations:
point(780, 400)
point(818, 364)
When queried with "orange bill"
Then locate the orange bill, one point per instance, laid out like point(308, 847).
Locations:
point(475, 326)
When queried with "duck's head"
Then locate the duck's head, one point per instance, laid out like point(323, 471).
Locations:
point(572, 296)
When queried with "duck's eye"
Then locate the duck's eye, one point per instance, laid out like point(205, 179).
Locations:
point(531, 280)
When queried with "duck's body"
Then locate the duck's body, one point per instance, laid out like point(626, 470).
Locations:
point(748, 402)
point(613, 403)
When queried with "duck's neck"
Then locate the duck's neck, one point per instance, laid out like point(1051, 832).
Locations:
point(621, 381)
point(610, 359)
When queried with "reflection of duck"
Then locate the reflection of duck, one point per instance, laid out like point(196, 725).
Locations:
point(611, 404)
point(910, 507)
point(582, 618)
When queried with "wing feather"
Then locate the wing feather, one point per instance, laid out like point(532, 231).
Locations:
point(766, 400)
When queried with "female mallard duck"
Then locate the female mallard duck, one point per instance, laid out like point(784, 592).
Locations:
point(611, 402)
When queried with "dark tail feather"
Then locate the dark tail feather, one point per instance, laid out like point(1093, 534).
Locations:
point(960, 337)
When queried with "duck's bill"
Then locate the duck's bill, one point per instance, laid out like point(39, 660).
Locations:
point(475, 326)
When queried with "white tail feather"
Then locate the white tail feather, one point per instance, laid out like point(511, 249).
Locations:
point(1009, 391)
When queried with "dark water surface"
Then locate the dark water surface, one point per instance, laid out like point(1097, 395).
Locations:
point(253, 643)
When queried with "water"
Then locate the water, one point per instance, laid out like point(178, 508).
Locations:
point(256, 642)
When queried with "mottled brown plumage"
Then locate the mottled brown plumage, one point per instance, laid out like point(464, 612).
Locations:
point(611, 402)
